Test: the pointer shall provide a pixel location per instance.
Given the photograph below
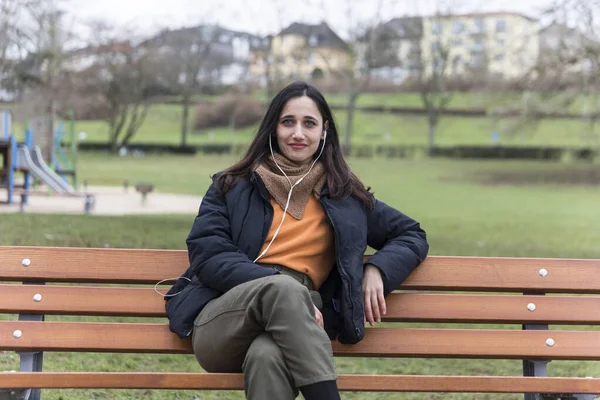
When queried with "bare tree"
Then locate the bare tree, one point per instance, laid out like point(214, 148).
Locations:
point(433, 86)
point(185, 59)
point(46, 47)
point(266, 54)
point(567, 75)
point(10, 35)
point(262, 56)
point(366, 42)
point(38, 73)
point(369, 46)
point(123, 75)
point(565, 78)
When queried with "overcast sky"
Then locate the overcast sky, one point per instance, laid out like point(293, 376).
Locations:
point(261, 17)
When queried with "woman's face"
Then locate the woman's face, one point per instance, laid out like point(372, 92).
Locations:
point(299, 130)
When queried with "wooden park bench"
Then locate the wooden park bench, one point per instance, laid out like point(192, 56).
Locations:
point(525, 296)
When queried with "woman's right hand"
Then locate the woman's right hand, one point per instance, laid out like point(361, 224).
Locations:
point(319, 317)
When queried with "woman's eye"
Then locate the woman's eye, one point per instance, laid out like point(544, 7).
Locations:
point(287, 122)
point(310, 123)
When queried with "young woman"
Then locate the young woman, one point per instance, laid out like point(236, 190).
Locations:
point(276, 257)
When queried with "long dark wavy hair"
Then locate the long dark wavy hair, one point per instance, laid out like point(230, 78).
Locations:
point(341, 182)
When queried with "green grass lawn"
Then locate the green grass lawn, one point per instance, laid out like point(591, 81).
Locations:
point(163, 126)
point(445, 194)
point(413, 100)
point(457, 203)
point(458, 100)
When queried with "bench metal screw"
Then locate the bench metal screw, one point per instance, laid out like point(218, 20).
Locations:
point(531, 307)
point(26, 262)
point(37, 298)
point(550, 342)
point(17, 334)
point(543, 272)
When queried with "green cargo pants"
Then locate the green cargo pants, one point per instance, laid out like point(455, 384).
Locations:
point(266, 328)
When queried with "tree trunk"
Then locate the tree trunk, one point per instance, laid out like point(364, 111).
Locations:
point(185, 117)
point(136, 120)
point(50, 155)
point(431, 138)
point(349, 121)
point(114, 144)
point(117, 122)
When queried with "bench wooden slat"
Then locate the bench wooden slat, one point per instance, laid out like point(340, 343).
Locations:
point(401, 307)
point(512, 274)
point(81, 300)
point(380, 342)
point(372, 383)
point(102, 265)
point(437, 273)
point(476, 308)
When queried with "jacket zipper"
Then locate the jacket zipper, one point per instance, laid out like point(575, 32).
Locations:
point(268, 202)
point(340, 268)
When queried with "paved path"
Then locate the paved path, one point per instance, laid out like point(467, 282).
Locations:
point(109, 201)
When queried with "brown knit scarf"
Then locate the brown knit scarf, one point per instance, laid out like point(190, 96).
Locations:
point(279, 187)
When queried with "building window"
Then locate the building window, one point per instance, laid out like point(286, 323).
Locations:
point(313, 40)
point(478, 45)
point(500, 42)
point(457, 63)
point(499, 57)
point(436, 47)
point(311, 59)
point(458, 27)
point(438, 65)
point(457, 42)
point(437, 28)
point(500, 25)
point(479, 25)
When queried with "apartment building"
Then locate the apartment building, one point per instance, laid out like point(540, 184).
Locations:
point(503, 44)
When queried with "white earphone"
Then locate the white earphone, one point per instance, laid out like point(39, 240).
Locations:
point(292, 186)
point(282, 219)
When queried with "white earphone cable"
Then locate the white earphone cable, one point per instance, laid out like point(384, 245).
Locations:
point(287, 204)
point(292, 186)
point(169, 279)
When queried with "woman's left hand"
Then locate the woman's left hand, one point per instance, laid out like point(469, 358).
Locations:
point(374, 302)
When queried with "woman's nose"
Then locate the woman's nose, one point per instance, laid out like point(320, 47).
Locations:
point(298, 134)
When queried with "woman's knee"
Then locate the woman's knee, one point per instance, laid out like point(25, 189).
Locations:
point(263, 353)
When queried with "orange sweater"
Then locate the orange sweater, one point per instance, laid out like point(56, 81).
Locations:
point(305, 245)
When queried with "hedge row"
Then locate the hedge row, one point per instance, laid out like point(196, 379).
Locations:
point(388, 151)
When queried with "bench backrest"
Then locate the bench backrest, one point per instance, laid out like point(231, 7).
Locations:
point(494, 287)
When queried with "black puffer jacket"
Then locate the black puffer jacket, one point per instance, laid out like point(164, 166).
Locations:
point(230, 230)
